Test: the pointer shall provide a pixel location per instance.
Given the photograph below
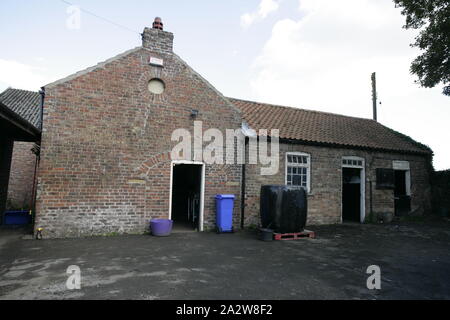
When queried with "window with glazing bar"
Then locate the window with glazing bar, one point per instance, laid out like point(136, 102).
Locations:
point(298, 167)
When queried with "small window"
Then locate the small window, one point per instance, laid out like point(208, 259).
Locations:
point(298, 170)
point(385, 178)
point(156, 86)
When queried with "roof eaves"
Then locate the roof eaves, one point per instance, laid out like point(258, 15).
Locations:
point(23, 123)
point(351, 146)
point(27, 100)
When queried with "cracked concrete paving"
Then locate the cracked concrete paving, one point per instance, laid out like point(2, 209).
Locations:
point(414, 260)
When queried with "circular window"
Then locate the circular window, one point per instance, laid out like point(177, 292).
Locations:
point(156, 86)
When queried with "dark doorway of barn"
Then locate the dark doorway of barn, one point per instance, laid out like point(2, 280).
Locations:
point(186, 196)
point(351, 195)
point(402, 200)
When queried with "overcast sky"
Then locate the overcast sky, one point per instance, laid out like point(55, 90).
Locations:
point(314, 54)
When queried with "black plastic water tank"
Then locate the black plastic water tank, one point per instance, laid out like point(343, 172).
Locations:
point(283, 208)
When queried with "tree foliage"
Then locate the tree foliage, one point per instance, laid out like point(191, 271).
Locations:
point(432, 18)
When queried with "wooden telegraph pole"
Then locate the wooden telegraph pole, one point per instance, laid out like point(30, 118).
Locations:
point(374, 95)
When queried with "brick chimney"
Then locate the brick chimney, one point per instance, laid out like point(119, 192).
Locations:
point(156, 39)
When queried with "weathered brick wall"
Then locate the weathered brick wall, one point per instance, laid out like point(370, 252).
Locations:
point(105, 157)
point(21, 176)
point(324, 200)
point(6, 147)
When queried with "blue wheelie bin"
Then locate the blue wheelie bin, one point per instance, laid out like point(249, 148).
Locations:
point(224, 212)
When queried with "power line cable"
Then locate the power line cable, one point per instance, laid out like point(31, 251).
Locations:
point(101, 18)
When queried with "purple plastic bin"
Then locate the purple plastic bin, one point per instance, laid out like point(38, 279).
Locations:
point(161, 227)
point(224, 214)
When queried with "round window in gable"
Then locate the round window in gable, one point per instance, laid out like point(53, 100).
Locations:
point(156, 86)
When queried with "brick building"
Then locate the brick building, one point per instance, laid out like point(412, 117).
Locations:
point(106, 166)
point(20, 132)
point(336, 158)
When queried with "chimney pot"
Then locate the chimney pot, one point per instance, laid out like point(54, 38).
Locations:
point(157, 24)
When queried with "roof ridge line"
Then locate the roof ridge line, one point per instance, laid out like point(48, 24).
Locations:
point(14, 89)
point(17, 89)
point(303, 109)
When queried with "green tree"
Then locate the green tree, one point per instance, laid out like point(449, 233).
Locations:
point(432, 18)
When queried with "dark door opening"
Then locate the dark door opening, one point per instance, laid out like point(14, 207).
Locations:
point(351, 195)
point(402, 200)
point(186, 196)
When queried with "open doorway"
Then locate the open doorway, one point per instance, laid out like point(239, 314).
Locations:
point(351, 194)
point(402, 198)
point(353, 189)
point(187, 196)
point(402, 187)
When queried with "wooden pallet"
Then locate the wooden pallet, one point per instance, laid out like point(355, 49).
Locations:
point(295, 236)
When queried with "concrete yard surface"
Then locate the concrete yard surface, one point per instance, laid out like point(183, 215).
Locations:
point(414, 260)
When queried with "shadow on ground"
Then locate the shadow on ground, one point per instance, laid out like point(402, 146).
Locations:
point(414, 261)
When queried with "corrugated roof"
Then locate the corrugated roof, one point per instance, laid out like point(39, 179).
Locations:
point(325, 128)
point(26, 104)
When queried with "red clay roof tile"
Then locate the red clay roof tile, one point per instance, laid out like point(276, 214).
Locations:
point(325, 128)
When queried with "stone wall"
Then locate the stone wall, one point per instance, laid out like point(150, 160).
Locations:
point(325, 197)
point(21, 176)
point(105, 155)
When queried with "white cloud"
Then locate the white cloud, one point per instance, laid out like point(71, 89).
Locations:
point(264, 9)
point(18, 75)
point(324, 61)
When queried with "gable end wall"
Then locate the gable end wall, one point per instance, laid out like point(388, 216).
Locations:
point(105, 165)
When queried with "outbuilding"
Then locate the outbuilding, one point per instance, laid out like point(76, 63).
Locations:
point(107, 152)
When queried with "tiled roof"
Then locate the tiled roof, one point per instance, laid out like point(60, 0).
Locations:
point(26, 104)
point(325, 128)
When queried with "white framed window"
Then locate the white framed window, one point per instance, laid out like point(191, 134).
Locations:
point(298, 170)
point(352, 162)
